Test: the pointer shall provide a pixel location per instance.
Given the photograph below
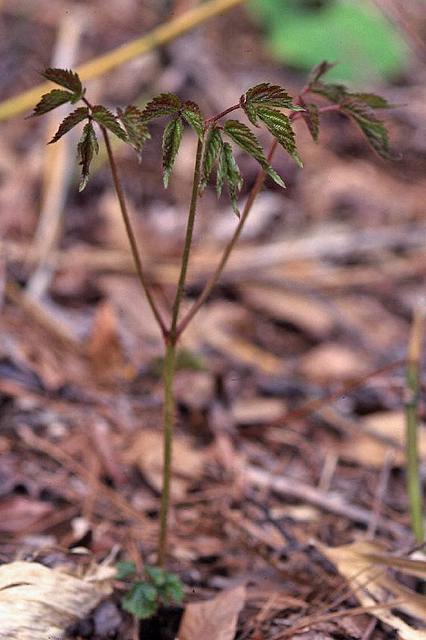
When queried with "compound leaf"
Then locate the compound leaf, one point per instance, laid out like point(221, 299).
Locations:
point(106, 119)
point(212, 147)
point(137, 132)
point(172, 137)
point(162, 105)
point(141, 601)
point(280, 127)
point(51, 100)
point(70, 121)
point(246, 139)
point(87, 146)
point(192, 114)
point(65, 78)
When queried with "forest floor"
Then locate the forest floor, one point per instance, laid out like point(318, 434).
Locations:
point(289, 465)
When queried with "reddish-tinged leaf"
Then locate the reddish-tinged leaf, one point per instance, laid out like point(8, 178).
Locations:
point(280, 127)
point(106, 119)
point(51, 100)
point(163, 105)
point(373, 128)
point(212, 147)
point(69, 122)
point(246, 139)
point(268, 94)
point(87, 146)
point(137, 132)
point(192, 114)
point(229, 172)
point(65, 78)
point(171, 141)
point(317, 72)
point(311, 118)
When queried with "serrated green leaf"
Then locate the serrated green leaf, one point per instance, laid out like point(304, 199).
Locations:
point(246, 140)
point(372, 100)
point(125, 569)
point(162, 105)
point(212, 147)
point(319, 70)
point(87, 146)
point(106, 119)
point(271, 95)
point(69, 122)
point(312, 120)
point(51, 100)
point(335, 93)
point(374, 129)
point(172, 137)
point(141, 601)
point(231, 174)
point(157, 575)
point(192, 114)
point(280, 127)
point(171, 592)
point(137, 132)
point(65, 78)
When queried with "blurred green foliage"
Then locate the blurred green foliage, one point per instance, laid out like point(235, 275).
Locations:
point(352, 33)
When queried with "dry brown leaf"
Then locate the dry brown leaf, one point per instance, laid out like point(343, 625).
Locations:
point(215, 619)
point(389, 429)
point(147, 452)
point(257, 410)
point(364, 565)
point(331, 361)
point(37, 603)
point(304, 311)
point(104, 346)
point(19, 513)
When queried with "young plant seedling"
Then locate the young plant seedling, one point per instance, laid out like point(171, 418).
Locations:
point(266, 105)
point(147, 592)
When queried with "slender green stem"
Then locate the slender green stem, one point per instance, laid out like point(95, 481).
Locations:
point(130, 233)
point(169, 364)
point(414, 489)
point(168, 419)
point(188, 241)
point(215, 276)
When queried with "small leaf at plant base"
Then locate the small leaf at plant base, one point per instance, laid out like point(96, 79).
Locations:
point(244, 138)
point(192, 114)
point(318, 71)
point(171, 141)
point(69, 122)
point(280, 127)
point(108, 120)
point(212, 147)
point(125, 569)
point(51, 100)
point(141, 601)
point(65, 78)
point(163, 105)
point(87, 146)
point(157, 575)
point(311, 118)
point(137, 132)
point(172, 591)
